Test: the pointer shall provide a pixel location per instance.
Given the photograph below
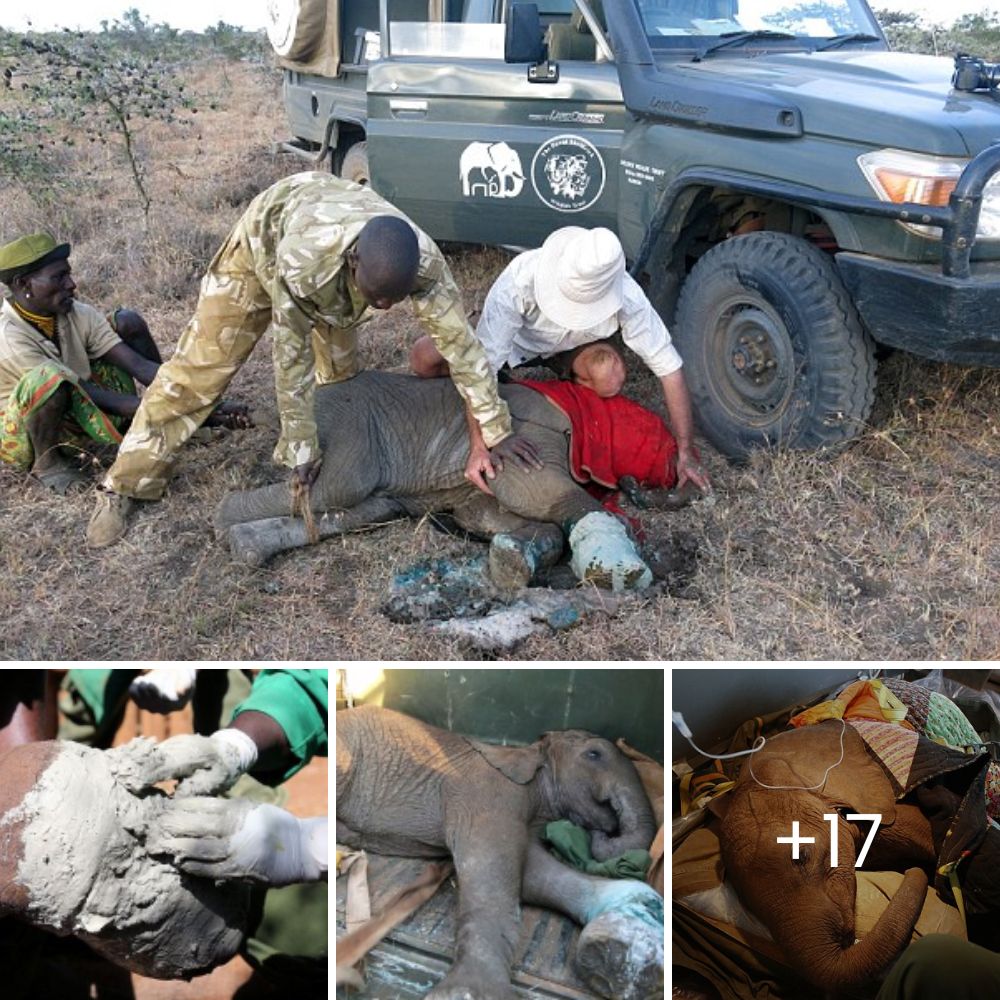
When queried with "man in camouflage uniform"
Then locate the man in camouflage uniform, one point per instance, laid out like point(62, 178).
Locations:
point(309, 257)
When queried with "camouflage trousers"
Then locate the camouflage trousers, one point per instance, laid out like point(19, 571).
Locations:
point(232, 314)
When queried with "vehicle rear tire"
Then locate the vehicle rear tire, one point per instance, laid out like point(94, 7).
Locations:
point(774, 350)
point(355, 165)
point(294, 27)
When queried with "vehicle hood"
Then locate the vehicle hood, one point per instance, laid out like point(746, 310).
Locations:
point(880, 99)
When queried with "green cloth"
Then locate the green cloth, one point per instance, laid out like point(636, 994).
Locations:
point(942, 966)
point(571, 844)
point(84, 419)
point(298, 701)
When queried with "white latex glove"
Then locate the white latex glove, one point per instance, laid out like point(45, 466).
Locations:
point(163, 690)
point(603, 553)
point(241, 840)
point(206, 764)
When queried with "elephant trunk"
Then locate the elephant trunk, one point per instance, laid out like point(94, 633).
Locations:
point(815, 942)
point(636, 823)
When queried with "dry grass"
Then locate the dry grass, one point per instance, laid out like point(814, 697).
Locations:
point(890, 550)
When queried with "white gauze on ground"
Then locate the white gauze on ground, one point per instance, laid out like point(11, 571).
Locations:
point(87, 873)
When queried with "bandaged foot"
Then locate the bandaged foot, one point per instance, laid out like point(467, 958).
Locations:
point(74, 861)
point(620, 950)
point(604, 554)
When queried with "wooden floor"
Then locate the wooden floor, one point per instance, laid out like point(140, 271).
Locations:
point(418, 952)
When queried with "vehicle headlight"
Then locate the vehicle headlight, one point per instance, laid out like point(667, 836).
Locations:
point(899, 176)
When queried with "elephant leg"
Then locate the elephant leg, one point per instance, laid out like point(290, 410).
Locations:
point(620, 950)
point(517, 557)
point(519, 548)
point(489, 858)
point(254, 542)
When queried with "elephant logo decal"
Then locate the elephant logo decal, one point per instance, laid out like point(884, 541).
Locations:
point(567, 173)
point(490, 169)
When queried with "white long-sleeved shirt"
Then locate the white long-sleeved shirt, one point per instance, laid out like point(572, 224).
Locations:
point(512, 328)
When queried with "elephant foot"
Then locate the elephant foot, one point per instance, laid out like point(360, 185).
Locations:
point(515, 558)
point(621, 957)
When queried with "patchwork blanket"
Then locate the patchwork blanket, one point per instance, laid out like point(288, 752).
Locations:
point(958, 791)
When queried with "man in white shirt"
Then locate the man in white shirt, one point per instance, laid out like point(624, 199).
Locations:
point(574, 290)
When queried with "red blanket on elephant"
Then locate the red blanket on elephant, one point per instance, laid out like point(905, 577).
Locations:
point(613, 437)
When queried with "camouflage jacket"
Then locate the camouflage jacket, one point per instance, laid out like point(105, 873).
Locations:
point(298, 232)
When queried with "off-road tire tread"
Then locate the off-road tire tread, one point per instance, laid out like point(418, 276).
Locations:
point(839, 348)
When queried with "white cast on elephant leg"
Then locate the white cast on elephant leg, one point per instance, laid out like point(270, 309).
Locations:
point(620, 950)
point(604, 554)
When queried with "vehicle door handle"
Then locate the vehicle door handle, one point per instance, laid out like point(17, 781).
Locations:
point(403, 108)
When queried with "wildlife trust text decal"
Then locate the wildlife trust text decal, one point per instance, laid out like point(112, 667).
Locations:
point(567, 173)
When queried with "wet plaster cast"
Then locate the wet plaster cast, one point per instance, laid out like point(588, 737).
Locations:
point(87, 872)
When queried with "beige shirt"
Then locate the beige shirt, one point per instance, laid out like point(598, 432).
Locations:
point(298, 233)
point(84, 335)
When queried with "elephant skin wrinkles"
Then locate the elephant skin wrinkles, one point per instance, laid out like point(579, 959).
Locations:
point(407, 788)
point(396, 446)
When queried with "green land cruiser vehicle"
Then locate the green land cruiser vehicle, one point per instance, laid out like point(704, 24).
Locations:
point(789, 191)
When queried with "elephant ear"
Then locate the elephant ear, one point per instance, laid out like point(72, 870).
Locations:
point(520, 764)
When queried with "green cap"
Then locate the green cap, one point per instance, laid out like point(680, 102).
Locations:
point(28, 254)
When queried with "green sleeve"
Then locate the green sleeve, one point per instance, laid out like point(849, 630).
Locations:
point(298, 701)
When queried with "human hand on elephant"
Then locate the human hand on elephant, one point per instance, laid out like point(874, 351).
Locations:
point(304, 475)
point(484, 463)
point(233, 839)
point(517, 449)
point(204, 764)
point(235, 416)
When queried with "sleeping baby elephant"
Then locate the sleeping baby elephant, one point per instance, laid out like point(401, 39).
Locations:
point(407, 788)
point(396, 445)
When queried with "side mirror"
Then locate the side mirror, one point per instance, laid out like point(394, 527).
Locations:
point(522, 40)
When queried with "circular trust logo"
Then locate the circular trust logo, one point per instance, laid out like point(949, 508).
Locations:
point(567, 173)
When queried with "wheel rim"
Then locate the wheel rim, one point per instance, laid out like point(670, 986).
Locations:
point(750, 360)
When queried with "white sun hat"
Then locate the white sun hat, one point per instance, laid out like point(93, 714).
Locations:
point(580, 277)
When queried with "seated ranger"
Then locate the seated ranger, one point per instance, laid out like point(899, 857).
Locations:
point(67, 373)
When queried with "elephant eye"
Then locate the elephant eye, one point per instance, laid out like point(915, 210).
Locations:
point(593, 755)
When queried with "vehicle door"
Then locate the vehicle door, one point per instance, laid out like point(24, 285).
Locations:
point(478, 150)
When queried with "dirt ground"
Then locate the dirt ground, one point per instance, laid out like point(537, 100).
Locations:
point(889, 550)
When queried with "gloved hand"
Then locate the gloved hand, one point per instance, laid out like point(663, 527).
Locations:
point(604, 554)
point(241, 840)
point(206, 764)
point(163, 690)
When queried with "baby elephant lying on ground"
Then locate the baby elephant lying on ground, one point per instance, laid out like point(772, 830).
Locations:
point(407, 788)
point(396, 445)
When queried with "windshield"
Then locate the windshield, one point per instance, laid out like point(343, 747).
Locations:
point(679, 23)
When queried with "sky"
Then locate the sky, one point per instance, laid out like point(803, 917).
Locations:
point(196, 15)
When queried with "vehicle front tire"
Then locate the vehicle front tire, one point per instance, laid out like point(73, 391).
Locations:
point(774, 350)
